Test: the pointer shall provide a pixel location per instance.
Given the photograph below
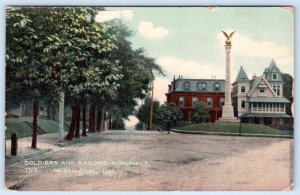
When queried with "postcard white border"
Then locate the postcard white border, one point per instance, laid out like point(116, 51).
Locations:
point(296, 4)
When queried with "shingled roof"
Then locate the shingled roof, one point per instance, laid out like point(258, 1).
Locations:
point(193, 85)
point(241, 76)
point(273, 69)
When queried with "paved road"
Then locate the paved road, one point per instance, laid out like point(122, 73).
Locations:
point(146, 161)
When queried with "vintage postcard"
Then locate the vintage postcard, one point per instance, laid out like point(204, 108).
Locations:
point(149, 98)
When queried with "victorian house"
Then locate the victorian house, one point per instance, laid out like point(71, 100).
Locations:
point(261, 99)
point(186, 93)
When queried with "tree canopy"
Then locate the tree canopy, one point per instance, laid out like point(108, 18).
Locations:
point(200, 113)
point(168, 115)
point(63, 49)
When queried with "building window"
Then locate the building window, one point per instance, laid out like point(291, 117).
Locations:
point(181, 101)
point(209, 102)
point(243, 89)
point(217, 86)
point(186, 86)
point(261, 90)
point(222, 101)
point(202, 86)
point(276, 89)
point(274, 76)
point(243, 104)
point(195, 101)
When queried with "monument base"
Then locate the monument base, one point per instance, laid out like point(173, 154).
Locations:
point(227, 115)
point(229, 120)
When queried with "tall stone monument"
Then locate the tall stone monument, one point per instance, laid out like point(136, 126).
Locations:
point(227, 112)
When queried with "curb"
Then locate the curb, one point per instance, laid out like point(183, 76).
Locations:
point(231, 134)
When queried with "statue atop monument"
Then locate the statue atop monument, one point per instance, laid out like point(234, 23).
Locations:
point(228, 40)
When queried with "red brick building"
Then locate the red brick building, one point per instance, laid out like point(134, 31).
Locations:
point(186, 93)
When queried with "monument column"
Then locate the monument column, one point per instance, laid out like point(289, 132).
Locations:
point(227, 111)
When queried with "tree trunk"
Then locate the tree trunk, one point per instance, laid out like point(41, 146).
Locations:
point(54, 111)
point(77, 131)
point(35, 124)
point(109, 124)
point(112, 124)
point(92, 118)
point(49, 112)
point(102, 122)
point(70, 134)
point(98, 119)
point(84, 120)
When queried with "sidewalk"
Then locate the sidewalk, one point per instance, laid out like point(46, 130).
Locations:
point(45, 143)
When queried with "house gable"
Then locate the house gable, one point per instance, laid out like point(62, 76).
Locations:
point(261, 82)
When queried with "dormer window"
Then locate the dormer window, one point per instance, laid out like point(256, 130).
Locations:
point(202, 86)
point(217, 86)
point(274, 76)
point(186, 86)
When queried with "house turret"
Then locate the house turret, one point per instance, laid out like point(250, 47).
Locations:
point(274, 76)
point(241, 86)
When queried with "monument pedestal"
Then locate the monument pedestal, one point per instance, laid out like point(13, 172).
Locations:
point(227, 115)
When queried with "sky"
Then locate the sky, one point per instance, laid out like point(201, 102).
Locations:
point(188, 41)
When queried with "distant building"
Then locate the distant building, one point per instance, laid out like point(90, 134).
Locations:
point(261, 99)
point(186, 93)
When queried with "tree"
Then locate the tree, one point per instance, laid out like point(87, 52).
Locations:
point(139, 126)
point(168, 115)
point(81, 62)
point(200, 113)
point(143, 113)
point(137, 71)
point(27, 76)
point(287, 91)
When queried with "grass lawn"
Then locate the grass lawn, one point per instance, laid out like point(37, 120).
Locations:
point(234, 128)
point(23, 129)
